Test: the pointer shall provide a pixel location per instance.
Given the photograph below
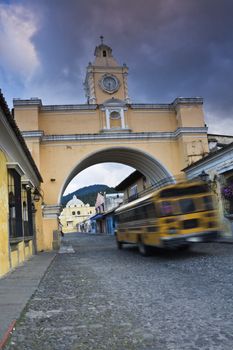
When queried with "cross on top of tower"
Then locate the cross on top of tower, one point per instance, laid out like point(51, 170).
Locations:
point(103, 50)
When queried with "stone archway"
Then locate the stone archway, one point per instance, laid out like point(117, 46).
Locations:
point(153, 169)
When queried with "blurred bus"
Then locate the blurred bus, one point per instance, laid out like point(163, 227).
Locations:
point(174, 216)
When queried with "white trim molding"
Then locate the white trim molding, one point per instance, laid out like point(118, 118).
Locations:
point(121, 134)
point(16, 167)
point(51, 211)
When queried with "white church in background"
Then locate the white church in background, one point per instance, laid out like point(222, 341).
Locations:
point(74, 213)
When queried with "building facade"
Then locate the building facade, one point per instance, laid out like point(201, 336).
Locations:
point(20, 198)
point(74, 214)
point(103, 222)
point(158, 140)
point(133, 186)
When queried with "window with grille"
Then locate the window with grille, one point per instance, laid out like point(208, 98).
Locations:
point(15, 204)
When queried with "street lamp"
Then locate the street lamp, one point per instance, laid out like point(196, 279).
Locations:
point(37, 195)
point(204, 176)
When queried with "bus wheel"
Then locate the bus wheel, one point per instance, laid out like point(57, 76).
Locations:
point(119, 244)
point(183, 247)
point(143, 248)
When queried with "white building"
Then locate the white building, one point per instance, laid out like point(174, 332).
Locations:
point(74, 213)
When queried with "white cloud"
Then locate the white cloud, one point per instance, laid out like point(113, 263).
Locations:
point(110, 174)
point(18, 53)
point(219, 122)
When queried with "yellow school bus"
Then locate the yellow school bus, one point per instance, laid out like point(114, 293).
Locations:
point(174, 216)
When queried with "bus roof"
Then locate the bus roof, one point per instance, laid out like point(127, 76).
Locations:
point(161, 193)
point(136, 201)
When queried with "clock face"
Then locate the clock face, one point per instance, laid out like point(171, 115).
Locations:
point(110, 83)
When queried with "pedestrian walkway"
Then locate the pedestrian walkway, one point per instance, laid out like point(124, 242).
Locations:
point(17, 288)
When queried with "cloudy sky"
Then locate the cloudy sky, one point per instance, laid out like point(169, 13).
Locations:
point(172, 48)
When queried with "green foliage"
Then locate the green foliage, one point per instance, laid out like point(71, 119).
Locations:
point(87, 194)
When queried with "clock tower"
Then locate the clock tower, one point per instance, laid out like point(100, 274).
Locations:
point(105, 78)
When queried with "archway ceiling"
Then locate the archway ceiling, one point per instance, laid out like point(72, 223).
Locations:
point(146, 164)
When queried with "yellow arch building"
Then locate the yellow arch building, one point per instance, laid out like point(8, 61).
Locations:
point(157, 139)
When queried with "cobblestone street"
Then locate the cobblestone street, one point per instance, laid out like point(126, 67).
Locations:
point(97, 297)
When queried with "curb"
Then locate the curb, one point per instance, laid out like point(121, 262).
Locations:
point(7, 334)
point(227, 241)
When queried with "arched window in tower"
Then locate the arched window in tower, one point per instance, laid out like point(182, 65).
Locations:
point(104, 53)
point(115, 120)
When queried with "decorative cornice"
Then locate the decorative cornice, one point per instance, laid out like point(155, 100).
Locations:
point(103, 68)
point(113, 102)
point(187, 101)
point(178, 101)
point(151, 106)
point(16, 167)
point(116, 130)
point(34, 101)
point(81, 107)
point(51, 211)
point(74, 107)
point(120, 135)
point(33, 134)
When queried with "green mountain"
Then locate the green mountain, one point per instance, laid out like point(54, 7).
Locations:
point(88, 194)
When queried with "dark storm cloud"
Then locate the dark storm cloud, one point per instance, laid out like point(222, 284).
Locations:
point(172, 47)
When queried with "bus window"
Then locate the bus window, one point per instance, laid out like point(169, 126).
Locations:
point(126, 217)
point(150, 212)
point(187, 205)
point(166, 208)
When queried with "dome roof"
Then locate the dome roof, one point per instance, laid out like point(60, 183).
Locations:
point(75, 202)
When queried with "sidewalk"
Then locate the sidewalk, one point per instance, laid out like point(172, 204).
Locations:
point(17, 288)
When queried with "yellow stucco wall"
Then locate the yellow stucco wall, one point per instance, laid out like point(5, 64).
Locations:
point(49, 225)
point(151, 120)
point(190, 116)
point(4, 238)
point(34, 148)
point(192, 148)
point(14, 258)
point(20, 252)
point(39, 227)
point(82, 122)
point(27, 119)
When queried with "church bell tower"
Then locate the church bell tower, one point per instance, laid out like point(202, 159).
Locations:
point(105, 78)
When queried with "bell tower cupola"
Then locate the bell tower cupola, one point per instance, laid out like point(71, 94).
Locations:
point(105, 78)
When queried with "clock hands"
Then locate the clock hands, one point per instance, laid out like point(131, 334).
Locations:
point(110, 83)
